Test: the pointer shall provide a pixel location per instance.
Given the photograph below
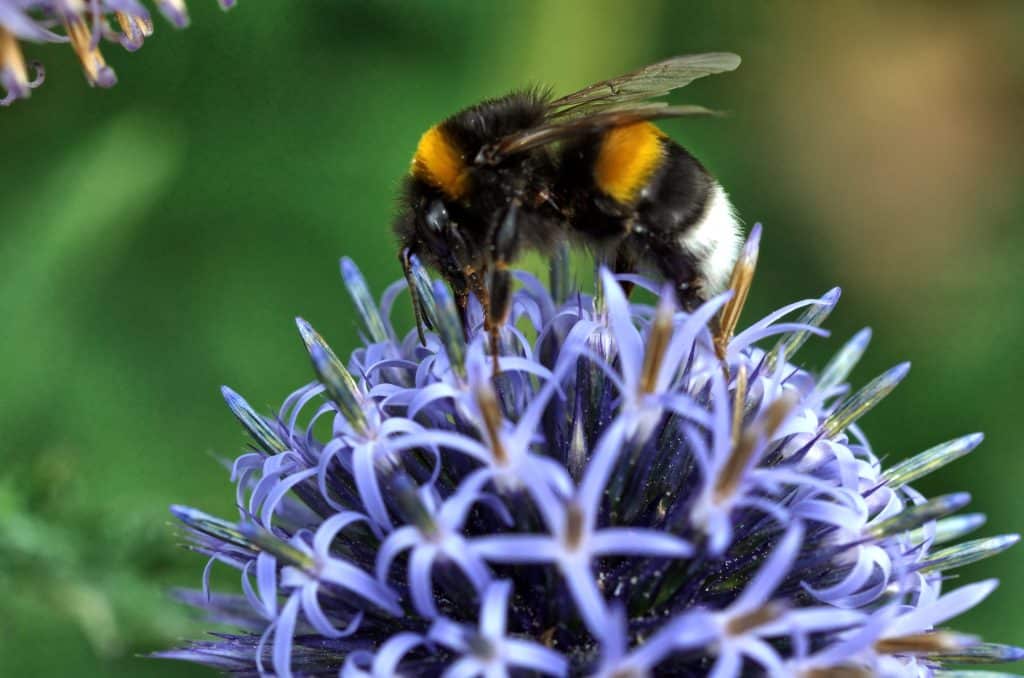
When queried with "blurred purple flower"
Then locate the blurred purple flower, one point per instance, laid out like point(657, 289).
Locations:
point(636, 491)
point(82, 23)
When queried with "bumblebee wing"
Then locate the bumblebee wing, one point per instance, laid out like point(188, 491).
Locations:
point(649, 82)
point(564, 130)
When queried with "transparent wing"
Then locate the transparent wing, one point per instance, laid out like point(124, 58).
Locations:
point(649, 82)
point(565, 129)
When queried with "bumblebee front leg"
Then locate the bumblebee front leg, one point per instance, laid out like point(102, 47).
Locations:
point(499, 284)
point(459, 285)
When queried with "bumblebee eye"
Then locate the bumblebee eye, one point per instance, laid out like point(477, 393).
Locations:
point(437, 217)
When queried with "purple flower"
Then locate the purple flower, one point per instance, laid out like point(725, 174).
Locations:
point(626, 491)
point(82, 23)
point(487, 651)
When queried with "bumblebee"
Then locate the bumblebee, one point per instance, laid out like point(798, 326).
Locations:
point(529, 171)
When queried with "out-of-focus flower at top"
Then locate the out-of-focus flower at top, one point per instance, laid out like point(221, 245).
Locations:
point(626, 491)
point(81, 23)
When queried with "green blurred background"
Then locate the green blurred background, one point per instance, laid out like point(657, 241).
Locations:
point(157, 239)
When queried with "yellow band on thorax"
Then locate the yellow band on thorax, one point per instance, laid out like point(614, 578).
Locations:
point(627, 158)
point(439, 163)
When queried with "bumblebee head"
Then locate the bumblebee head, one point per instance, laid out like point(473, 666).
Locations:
point(452, 206)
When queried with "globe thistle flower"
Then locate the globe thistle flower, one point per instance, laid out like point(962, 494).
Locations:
point(82, 24)
point(627, 490)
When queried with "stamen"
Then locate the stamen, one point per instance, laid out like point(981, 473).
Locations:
point(12, 63)
point(739, 401)
point(573, 526)
point(763, 429)
point(134, 29)
point(737, 626)
point(481, 646)
point(657, 343)
point(739, 283)
point(925, 643)
point(490, 410)
point(97, 72)
point(838, 672)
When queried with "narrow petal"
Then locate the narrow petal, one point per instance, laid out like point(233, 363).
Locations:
point(535, 657)
point(516, 548)
point(493, 609)
point(329, 529)
point(728, 663)
point(421, 586)
point(390, 654)
point(638, 542)
point(396, 542)
point(589, 602)
point(599, 469)
point(620, 320)
point(283, 635)
point(948, 606)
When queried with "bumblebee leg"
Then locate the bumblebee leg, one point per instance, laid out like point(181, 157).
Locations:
point(475, 281)
point(625, 262)
point(460, 290)
point(479, 282)
point(678, 267)
point(506, 242)
point(500, 283)
point(405, 257)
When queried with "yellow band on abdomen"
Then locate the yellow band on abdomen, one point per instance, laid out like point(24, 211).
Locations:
point(627, 159)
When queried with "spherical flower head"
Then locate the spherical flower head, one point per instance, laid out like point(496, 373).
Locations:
point(623, 490)
point(83, 24)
